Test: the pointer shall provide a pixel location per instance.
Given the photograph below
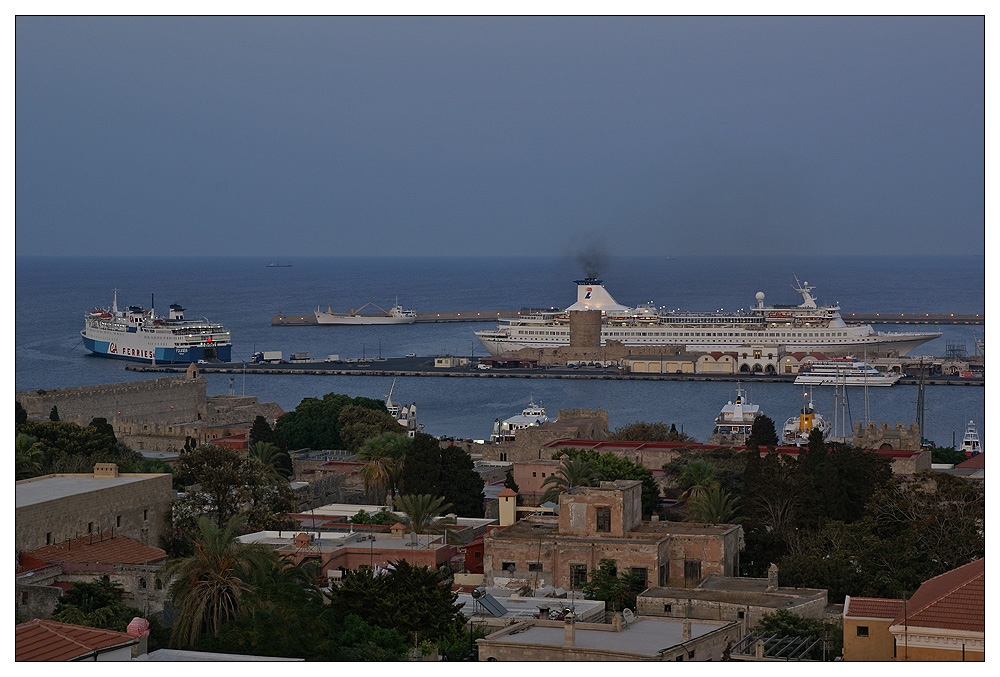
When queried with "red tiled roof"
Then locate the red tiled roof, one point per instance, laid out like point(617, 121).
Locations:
point(41, 640)
point(977, 461)
point(872, 607)
point(507, 491)
point(111, 550)
point(955, 600)
point(26, 562)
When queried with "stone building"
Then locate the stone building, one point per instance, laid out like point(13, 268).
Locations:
point(887, 436)
point(52, 509)
point(605, 522)
point(588, 424)
point(155, 414)
point(720, 598)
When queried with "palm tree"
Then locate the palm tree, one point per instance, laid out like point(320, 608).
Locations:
point(274, 461)
point(383, 463)
point(697, 478)
point(27, 457)
point(713, 506)
point(211, 583)
point(575, 471)
point(421, 509)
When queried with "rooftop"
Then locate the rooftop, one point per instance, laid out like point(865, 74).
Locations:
point(179, 656)
point(42, 640)
point(104, 548)
point(645, 636)
point(872, 607)
point(955, 600)
point(51, 487)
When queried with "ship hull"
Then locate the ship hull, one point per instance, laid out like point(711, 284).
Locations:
point(122, 349)
point(878, 346)
point(360, 320)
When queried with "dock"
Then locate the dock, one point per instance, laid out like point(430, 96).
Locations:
point(309, 319)
point(422, 367)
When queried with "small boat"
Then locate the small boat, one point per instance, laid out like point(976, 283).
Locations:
point(970, 443)
point(274, 264)
point(841, 371)
point(733, 424)
point(405, 416)
point(532, 415)
point(796, 430)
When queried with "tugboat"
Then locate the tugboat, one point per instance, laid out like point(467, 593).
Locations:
point(970, 443)
point(733, 424)
point(796, 430)
point(532, 415)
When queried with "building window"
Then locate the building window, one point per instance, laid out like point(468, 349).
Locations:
point(664, 574)
point(692, 570)
point(741, 614)
point(534, 474)
point(118, 521)
point(479, 555)
point(145, 515)
point(508, 566)
point(159, 584)
point(577, 575)
point(666, 608)
point(142, 583)
point(534, 566)
point(90, 527)
point(690, 654)
point(604, 519)
point(639, 573)
point(679, 657)
point(862, 631)
point(48, 538)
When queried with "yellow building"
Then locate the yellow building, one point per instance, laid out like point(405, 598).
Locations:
point(944, 620)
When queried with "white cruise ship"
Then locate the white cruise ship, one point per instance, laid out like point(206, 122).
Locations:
point(841, 371)
point(806, 327)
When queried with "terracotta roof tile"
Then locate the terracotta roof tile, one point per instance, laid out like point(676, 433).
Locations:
point(977, 461)
point(26, 562)
point(41, 640)
point(110, 550)
point(956, 600)
point(872, 607)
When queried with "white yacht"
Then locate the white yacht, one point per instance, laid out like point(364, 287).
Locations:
point(970, 443)
point(841, 371)
point(532, 415)
point(733, 424)
point(806, 327)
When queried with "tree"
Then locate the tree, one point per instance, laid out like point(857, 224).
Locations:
point(617, 592)
point(421, 510)
point(20, 415)
point(762, 433)
point(449, 472)
point(574, 471)
point(210, 585)
point(277, 464)
point(97, 604)
point(229, 483)
point(947, 455)
point(383, 463)
point(261, 431)
point(611, 467)
point(358, 424)
point(713, 506)
point(640, 431)
point(415, 601)
point(508, 481)
point(70, 448)
point(830, 635)
point(54, 414)
point(315, 423)
point(27, 457)
point(696, 479)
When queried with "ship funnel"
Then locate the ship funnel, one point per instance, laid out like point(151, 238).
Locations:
point(591, 295)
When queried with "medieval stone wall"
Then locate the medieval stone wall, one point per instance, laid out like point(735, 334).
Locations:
point(886, 436)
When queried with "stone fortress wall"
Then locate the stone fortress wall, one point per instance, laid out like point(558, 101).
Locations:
point(157, 414)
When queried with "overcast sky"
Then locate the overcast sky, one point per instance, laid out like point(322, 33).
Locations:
point(341, 136)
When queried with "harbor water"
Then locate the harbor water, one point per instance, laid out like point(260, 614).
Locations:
point(52, 295)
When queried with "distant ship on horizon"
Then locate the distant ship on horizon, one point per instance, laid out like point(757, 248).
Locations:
point(275, 264)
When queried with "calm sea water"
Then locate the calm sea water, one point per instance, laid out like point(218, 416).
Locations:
point(52, 295)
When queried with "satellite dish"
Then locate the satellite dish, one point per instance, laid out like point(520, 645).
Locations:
point(628, 615)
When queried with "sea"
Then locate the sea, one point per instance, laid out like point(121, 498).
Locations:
point(53, 293)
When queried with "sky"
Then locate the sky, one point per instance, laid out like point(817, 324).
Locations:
point(667, 136)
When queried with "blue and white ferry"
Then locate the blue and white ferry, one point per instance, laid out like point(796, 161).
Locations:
point(138, 334)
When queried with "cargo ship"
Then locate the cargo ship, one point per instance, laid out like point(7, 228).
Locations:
point(806, 327)
point(140, 335)
point(395, 315)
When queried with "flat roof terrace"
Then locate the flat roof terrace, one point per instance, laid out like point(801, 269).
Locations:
point(52, 487)
point(644, 636)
